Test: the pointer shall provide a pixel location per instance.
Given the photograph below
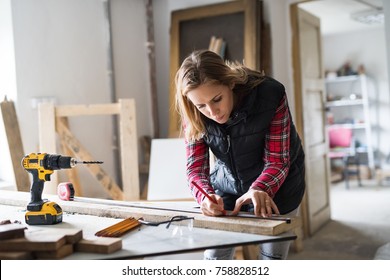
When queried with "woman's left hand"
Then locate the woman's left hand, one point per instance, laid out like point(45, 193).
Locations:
point(263, 204)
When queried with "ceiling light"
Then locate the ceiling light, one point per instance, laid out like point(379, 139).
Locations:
point(374, 16)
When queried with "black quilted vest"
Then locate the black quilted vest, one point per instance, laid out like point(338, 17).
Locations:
point(239, 149)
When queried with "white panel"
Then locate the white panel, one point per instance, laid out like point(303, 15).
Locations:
point(167, 173)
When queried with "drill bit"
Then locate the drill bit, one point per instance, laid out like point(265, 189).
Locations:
point(74, 162)
point(89, 162)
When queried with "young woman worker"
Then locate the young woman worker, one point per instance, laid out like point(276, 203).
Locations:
point(244, 118)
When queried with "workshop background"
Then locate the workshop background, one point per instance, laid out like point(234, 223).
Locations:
point(92, 51)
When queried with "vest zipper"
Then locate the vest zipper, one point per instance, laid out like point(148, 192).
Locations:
point(229, 151)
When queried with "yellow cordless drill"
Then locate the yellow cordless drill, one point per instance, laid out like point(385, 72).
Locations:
point(41, 166)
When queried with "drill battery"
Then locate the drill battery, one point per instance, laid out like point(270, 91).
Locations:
point(50, 213)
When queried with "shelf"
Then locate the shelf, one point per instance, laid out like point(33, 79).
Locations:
point(348, 125)
point(351, 113)
point(343, 79)
point(339, 103)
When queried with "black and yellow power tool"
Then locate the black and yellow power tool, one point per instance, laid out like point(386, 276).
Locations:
point(41, 166)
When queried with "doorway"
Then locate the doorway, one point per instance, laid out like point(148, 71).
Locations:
point(339, 46)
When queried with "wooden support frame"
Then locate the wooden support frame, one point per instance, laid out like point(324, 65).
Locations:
point(52, 119)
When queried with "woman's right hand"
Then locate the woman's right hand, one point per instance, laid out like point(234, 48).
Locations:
point(209, 208)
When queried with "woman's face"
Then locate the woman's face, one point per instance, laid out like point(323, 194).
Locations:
point(213, 101)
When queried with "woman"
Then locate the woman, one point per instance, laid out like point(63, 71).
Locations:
point(243, 117)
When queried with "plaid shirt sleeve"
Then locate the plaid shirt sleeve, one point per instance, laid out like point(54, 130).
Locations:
point(276, 154)
point(198, 168)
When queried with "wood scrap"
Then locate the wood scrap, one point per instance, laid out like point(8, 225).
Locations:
point(62, 252)
point(10, 231)
point(100, 245)
point(42, 240)
point(16, 256)
point(34, 242)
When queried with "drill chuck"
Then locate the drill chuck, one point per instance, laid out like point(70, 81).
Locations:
point(56, 162)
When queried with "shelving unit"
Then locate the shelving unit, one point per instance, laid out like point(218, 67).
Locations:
point(348, 106)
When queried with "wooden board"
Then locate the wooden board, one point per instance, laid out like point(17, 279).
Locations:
point(109, 209)
point(10, 231)
point(34, 242)
point(15, 144)
point(61, 253)
point(16, 256)
point(100, 245)
point(42, 240)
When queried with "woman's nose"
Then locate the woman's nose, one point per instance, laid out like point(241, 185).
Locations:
point(213, 111)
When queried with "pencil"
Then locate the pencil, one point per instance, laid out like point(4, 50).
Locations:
point(206, 195)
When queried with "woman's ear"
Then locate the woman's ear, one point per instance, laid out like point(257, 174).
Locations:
point(232, 86)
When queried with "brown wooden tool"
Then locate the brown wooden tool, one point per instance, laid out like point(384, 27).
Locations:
point(120, 228)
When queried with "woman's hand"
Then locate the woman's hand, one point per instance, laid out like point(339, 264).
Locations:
point(263, 204)
point(210, 208)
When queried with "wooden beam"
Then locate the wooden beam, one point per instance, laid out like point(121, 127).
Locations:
point(129, 149)
point(87, 110)
point(72, 173)
point(107, 208)
point(152, 66)
point(15, 144)
point(47, 140)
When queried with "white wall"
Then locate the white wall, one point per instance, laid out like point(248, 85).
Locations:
point(386, 8)
point(61, 52)
point(7, 82)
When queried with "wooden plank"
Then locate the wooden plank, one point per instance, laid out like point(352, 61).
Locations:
point(152, 67)
point(38, 239)
point(62, 252)
point(72, 172)
point(129, 150)
point(109, 185)
point(10, 231)
point(100, 245)
point(47, 140)
point(235, 224)
point(87, 110)
point(15, 144)
point(35, 241)
point(16, 256)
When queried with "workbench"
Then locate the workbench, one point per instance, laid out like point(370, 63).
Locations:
point(146, 241)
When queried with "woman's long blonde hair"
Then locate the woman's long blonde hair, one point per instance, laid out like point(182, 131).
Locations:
point(206, 67)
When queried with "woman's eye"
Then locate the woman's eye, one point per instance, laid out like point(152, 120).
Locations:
point(200, 107)
point(219, 98)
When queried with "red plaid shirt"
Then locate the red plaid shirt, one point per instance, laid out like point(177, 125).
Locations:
point(276, 157)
